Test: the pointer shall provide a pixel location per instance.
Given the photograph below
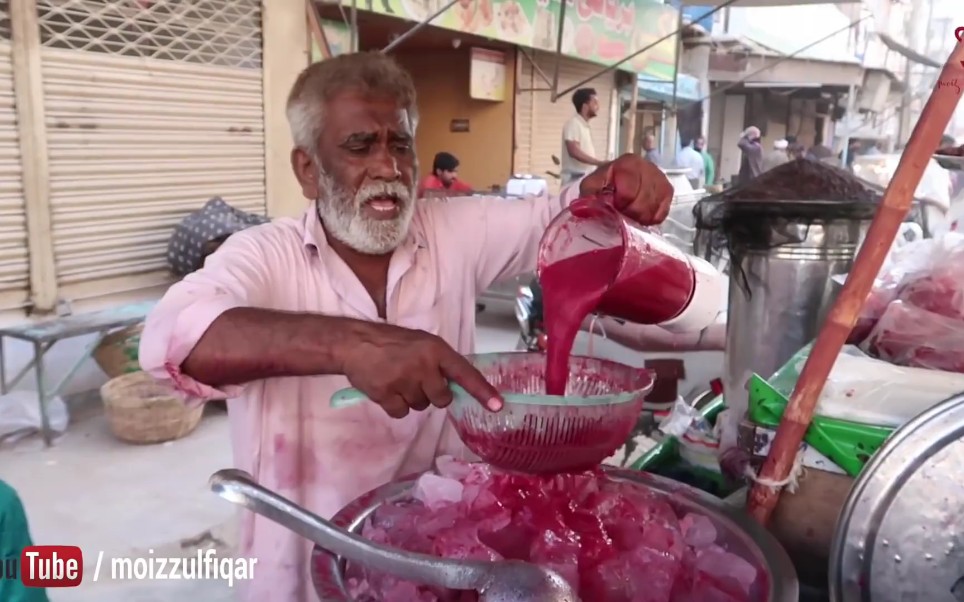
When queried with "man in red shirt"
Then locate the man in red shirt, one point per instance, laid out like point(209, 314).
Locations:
point(444, 177)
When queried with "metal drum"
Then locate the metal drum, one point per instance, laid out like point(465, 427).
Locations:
point(783, 256)
point(900, 536)
point(743, 536)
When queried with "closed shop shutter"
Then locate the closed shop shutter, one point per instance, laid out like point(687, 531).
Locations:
point(152, 108)
point(14, 266)
point(550, 117)
point(527, 79)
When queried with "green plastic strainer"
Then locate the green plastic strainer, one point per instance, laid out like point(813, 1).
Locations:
point(539, 433)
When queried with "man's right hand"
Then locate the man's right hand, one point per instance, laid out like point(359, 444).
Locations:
point(402, 369)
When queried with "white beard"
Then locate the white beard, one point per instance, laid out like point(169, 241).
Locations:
point(340, 212)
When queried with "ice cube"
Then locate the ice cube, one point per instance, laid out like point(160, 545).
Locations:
point(436, 491)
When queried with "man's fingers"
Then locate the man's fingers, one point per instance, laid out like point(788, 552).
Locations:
point(461, 370)
point(437, 391)
point(394, 405)
point(415, 397)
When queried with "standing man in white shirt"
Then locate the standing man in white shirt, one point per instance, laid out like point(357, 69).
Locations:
point(691, 159)
point(578, 155)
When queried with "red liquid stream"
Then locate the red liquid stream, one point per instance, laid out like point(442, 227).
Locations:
point(571, 290)
point(657, 290)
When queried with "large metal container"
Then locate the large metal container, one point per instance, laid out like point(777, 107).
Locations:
point(782, 262)
point(742, 535)
point(899, 535)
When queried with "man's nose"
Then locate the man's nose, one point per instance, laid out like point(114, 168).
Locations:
point(384, 166)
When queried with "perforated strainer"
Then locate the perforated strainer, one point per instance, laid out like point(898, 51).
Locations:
point(539, 433)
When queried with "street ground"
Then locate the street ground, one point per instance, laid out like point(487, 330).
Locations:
point(96, 492)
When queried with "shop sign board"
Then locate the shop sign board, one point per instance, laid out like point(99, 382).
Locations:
point(487, 75)
point(599, 31)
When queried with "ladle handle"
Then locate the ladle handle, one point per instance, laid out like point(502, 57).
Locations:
point(240, 488)
point(346, 398)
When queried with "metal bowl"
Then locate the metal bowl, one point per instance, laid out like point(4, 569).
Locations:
point(742, 535)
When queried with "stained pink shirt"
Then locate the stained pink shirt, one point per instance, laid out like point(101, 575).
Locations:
point(282, 429)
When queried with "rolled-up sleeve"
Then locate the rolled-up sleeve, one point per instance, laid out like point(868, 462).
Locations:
point(501, 236)
point(234, 276)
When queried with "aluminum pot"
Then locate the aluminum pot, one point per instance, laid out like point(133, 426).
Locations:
point(742, 535)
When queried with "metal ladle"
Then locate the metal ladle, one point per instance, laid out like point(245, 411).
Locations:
point(504, 581)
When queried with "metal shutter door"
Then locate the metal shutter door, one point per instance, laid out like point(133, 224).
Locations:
point(525, 100)
point(152, 108)
point(14, 258)
point(550, 117)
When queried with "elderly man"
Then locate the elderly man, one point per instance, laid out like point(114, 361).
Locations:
point(368, 288)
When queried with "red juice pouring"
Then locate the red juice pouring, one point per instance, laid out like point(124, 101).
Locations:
point(593, 259)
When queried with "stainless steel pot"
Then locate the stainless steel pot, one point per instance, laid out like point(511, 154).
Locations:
point(743, 536)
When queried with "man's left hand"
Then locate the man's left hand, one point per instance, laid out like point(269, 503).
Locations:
point(642, 192)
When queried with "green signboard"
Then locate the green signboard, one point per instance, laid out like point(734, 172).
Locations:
point(599, 31)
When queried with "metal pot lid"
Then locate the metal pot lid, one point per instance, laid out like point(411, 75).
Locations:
point(900, 535)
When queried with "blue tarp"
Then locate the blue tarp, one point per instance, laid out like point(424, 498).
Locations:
point(687, 88)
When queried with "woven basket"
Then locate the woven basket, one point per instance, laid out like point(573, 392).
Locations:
point(142, 410)
point(117, 352)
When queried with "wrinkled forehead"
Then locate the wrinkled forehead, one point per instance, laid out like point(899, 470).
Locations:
point(353, 112)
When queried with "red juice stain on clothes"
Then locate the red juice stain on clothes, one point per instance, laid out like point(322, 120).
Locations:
point(645, 286)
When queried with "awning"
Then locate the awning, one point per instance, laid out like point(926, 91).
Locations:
point(687, 88)
point(758, 3)
point(908, 53)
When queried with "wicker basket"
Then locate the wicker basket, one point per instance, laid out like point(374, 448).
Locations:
point(117, 352)
point(142, 410)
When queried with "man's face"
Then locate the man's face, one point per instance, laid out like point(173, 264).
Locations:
point(593, 107)
point(649, 143)
point(364, 172)
point(446, 176)
point(699, 144)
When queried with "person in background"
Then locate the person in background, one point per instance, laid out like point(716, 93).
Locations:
point(819, 152)
point(751, 162)
point(778, 156)
point(444, 177)
point(14, 537)
point(709, 166)
point(578, 153)
point(691, 159)
point(650, 153)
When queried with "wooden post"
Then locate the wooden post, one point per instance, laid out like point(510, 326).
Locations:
point(630, 140)
point(286, 53)
point(32, 130)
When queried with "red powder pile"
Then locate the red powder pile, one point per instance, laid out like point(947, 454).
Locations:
point(613, 541)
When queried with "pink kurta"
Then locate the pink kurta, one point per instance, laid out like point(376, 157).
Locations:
point(282, 430)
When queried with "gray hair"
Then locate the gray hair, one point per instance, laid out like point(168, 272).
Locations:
point(371, 73)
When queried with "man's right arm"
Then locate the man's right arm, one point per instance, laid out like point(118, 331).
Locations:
point(222, 326)
point(218, 326)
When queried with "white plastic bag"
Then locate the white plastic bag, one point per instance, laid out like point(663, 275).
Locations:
point(20, 414)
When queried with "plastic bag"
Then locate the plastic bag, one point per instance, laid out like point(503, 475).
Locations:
point(20, 414)
point(908, 335)
point(871, 391)
point(927, 273)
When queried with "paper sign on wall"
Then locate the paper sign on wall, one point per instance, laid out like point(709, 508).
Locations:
point(487, 79)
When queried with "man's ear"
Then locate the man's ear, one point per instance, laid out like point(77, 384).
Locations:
point(306, 171)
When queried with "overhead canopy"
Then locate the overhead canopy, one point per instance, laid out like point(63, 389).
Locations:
point(909, 53)
point(757, 3)
point(687, 88)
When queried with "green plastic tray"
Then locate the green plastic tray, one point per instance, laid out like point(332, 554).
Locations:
point(849, 445)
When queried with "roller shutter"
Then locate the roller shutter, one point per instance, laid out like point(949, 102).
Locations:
point(14, 260)
point(545, 134)
point(152, 107)
point(526, 80)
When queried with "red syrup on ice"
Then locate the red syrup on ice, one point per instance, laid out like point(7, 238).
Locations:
point(642, 279)
point(613, 541)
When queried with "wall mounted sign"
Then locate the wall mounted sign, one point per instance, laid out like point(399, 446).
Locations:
point(487, 75)
point(459, 125)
